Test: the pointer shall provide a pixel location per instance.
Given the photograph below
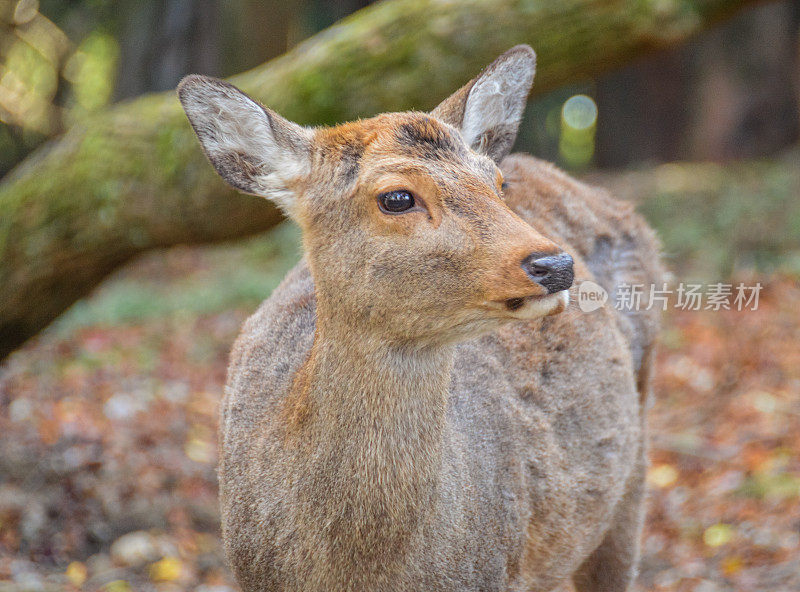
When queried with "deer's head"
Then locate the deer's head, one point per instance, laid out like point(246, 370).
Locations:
point(403, 219)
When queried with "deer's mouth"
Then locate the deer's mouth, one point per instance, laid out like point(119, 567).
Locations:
point(515, 303)
point(537, 305)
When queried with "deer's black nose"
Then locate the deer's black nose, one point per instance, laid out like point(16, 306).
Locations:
point(552, 272)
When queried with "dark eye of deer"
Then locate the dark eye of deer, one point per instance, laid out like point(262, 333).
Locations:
point(396, 202)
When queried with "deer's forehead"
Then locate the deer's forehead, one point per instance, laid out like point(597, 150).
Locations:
point(424, 138)
point(436, 148)
point(398, 144)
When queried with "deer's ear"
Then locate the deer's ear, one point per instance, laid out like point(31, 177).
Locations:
point(254, 149)
point(489, 107)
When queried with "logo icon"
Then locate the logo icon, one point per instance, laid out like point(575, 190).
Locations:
point(591, 296)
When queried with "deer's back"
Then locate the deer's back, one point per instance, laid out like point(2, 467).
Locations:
point(544, 418)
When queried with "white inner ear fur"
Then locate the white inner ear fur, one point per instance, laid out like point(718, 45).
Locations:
point(254, 151)
point(497, 100)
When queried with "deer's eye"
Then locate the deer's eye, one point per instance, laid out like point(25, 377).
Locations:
point(396, 202)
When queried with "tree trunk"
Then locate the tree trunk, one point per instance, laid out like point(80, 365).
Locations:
point(133, 178)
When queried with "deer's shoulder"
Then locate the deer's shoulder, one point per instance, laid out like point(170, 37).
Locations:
point(276, 339)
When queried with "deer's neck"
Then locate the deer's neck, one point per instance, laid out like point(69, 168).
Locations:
point(372, 423)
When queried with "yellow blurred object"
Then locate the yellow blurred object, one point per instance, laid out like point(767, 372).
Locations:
point(200, 451)
point(662, 475)
point(77, 573)
point(167, 569)
point(732, 565)
point(117, 586)
point(764, 402)
point(91, 70)
point(718, 535)
point(578, 127)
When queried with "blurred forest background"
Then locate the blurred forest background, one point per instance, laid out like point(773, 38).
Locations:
point(108, 416)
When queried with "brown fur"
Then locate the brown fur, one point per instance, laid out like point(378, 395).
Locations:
point(390, 424)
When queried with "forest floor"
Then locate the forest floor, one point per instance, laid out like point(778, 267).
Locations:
point(108, 435)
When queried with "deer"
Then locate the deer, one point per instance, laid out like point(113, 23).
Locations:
point(420, 406)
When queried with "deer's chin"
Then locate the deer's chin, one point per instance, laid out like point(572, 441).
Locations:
point(534, 307)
